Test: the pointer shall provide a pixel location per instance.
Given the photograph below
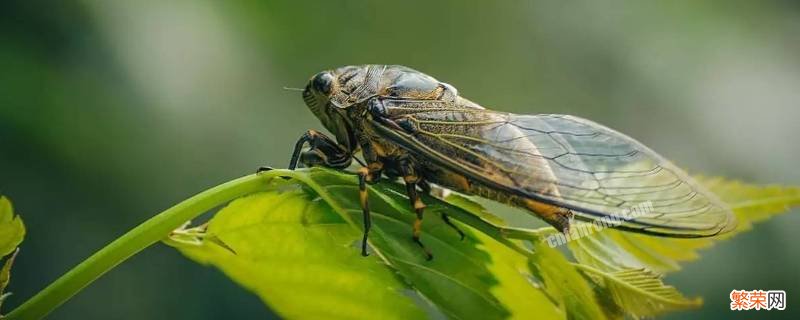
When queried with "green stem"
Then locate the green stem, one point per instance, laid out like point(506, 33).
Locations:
point(141, 237)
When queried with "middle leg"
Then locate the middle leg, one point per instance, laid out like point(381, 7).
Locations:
point(363, 197)
point(426, 188)
point(411, 180)
point(368, 174)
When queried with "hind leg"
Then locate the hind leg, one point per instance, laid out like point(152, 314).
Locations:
point(426, 188)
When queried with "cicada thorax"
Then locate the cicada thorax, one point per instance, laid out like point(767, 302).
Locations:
point(379, 89)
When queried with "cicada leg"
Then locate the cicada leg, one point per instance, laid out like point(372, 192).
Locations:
point(447, 221)
point(363, 197)
point(426, 188)
point(369, 174)
point(411, 181)
point(324, 151)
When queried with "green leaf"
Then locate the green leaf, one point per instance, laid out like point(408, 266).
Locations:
point(5, 278)
point(752, 203)
point(300, 260)
point(562, 281)
point(639, 292)
point(608, 254)
point(12, 230)
point(296, 246)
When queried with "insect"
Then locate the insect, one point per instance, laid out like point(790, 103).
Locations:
point(409, 125)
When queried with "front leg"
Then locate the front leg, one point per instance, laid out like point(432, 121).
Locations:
point(324, 152)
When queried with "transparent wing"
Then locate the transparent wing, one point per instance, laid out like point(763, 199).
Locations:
point(566, 161)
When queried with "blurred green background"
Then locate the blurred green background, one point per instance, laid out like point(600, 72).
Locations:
point(111, 111)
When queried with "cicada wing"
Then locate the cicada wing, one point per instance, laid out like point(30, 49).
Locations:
point(598, 173)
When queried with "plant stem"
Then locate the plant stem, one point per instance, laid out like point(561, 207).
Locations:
point(139, 238)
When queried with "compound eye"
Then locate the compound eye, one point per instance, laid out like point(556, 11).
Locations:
point(323, 82)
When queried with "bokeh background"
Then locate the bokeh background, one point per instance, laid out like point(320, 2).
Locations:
point(111, 111)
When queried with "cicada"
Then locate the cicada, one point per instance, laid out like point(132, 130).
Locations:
point(406, 124)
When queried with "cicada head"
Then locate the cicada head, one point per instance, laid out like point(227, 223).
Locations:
point(329, 94)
